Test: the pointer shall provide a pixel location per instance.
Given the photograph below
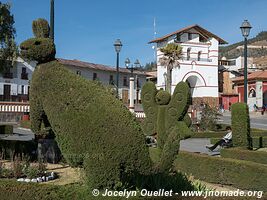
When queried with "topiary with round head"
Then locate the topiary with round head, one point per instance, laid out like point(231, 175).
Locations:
point(168, 117)
point(92, 127)
point(41, 48)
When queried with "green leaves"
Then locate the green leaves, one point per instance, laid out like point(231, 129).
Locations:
point(40, 28)
point(8, 48)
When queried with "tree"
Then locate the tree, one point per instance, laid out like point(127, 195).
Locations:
point(171, 54)
point(150, 66)
point(8, 47)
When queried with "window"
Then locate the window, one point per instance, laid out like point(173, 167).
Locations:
point(137, 83)
point(252, 93)
point(188, 54)
point(94, 76)
point(24, 74)
point(78, 72)
point(125, 82)
point(22, 89)
point(111, 80)
point(199, 55)
point(190, 36)
point(178, 38)
point(23, 70)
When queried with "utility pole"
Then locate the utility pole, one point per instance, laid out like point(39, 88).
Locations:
point(52, 18)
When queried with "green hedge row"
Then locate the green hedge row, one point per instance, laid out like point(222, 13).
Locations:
point(220, 134)
point(12, 190)
point(237, 173)
point(243, 154)
point(257, 142)
point(6, 129)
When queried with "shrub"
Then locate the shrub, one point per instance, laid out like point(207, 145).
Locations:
point(92, 127)
point(38, 49)
point(171, 112)
point(238, 173)
point(17, 168)
point(148, 94)
point(243, 154)
point(241, 126)
point(162, 97)
point(6, 129)
point(209, 117)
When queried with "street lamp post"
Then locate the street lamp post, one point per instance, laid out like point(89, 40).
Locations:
point(245, 28)
point(136, 65)
point(117, 46)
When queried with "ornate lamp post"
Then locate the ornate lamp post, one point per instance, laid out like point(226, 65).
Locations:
point(245, 28)
point(117, 46)
point(136, 65)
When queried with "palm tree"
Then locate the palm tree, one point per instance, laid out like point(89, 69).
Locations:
point(171, 54)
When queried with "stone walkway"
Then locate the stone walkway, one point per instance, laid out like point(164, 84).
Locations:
point(198, 145)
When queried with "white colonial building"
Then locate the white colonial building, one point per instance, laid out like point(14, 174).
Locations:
point(15, 81)
point(199, 65)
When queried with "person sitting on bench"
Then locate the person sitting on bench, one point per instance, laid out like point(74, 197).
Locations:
point(225, 141)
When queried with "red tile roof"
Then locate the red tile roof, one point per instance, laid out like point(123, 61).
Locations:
point(259, 75)
point(82, 64)
point(195, 26)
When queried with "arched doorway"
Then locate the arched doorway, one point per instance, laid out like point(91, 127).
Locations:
point(194, 83)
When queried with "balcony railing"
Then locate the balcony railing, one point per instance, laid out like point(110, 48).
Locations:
point(8, 75)
point(24, 76)
point(14, 107)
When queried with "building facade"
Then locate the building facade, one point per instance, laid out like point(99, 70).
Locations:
point(107, 75)
point(257, 89)
point(15, 81)
point(199, 65)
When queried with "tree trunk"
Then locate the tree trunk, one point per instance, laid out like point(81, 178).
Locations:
point(169, 79)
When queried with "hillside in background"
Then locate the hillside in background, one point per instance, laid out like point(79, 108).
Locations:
point(257, 47)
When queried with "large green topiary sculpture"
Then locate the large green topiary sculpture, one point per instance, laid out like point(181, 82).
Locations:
point(166, 116)
point(241, 126)
point(91, 126)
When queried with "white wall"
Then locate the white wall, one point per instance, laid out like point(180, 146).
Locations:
point(206, 70)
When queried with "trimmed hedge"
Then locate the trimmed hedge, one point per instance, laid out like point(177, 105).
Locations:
point(13, 190)
point(39, 49)
point(40, 28)
point(258, 142)
point(92, 127)
point(241, 125)
point(89, 123)
point(237, 173)
point(162, 133)
point(148, 94)
point(6, 129)
point(244, 154)
point(162, 97)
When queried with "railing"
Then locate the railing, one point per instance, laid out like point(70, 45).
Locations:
point(15, 107)
point(140, 114)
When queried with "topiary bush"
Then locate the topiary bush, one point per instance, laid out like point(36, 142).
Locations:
point(167, 115)
point(241, 126)
point(40, 28)
point(148, 94)
point(92, 127)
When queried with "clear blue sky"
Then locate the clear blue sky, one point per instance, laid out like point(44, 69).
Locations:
point(86, 29)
